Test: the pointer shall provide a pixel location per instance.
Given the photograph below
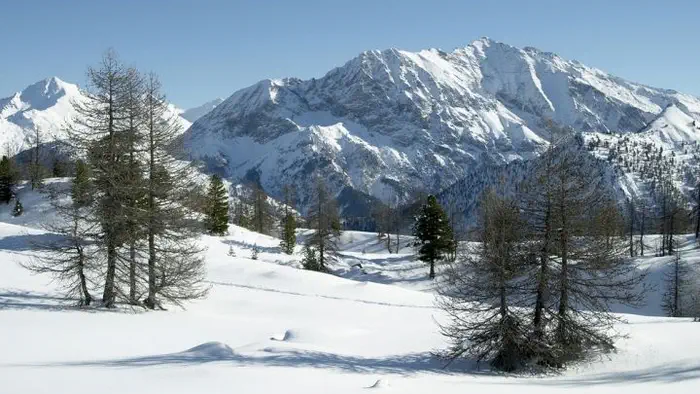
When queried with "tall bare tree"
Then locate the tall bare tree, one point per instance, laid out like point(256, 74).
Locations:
point(36, 171)
point(324, 220)
point(69, 253)
point(95, 133)
point(483, 294)
point(175, 266)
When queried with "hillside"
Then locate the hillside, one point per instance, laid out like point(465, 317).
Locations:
point(268, 326)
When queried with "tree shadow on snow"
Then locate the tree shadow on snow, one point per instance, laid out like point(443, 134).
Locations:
point(26, 300)
point(28, 242)
point(669, 373)
point(404, 364)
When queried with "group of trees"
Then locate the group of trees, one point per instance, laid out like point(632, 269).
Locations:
point(254, 211)
point(127, 227)
point(322, 244)
point(538, 285)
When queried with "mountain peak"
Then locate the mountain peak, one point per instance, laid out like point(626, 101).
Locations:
point(673, 126)
point(46, 93)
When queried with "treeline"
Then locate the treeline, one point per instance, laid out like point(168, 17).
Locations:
point(129, 226)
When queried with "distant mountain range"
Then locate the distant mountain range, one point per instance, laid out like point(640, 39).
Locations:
point(388, 124)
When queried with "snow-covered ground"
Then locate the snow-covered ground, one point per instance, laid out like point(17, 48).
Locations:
point(269, 327)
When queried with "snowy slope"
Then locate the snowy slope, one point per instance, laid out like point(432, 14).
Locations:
point(46, 105)
point(268, 327)
point(388, 123)
point(192, 114)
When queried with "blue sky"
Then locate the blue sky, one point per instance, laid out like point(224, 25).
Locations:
point(206, 49)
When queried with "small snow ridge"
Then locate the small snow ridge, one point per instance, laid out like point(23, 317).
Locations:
point(288, 336)
point(379, 384)
point(211, 350)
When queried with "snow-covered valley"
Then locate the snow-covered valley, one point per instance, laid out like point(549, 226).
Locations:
point(268, 326)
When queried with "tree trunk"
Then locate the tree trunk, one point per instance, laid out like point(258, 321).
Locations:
point(108, 297)
point(676, 291)
point(542, 280)
point(564, 276)
point(432, 269)
point(641, 234)
point(631, 229)
point(132, 274)
point(87, 298)
point(151, 300)
point(670, 233)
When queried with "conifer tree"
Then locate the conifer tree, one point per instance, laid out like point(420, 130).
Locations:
point(18, 210)
point(133, 189)
point(7, 180)
point(175, 268)
point(289, 224)
point(81, 188)
point(58, 169)
point(482, 292)
point(677, 283)
point(310, 262)
point(592, 272)
point(70, 258)
point(262, 215)
point(96, 133)
point(433, 233)
point(324, 220)
point(36, 170)
point(216, 207)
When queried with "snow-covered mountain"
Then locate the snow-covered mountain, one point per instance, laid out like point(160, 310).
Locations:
point(391, 122)
point(633, 165)
point(46, 105)
point(195, 113)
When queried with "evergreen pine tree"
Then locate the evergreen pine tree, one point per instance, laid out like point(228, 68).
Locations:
point(217, 207)
point(433, 233)
point(7, 180)
point(58, 169)
point(289, 224)
point(18, 209)
point(310, 262)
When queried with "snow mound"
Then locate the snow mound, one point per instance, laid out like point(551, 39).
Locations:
point(210, 350)
point(379, 384)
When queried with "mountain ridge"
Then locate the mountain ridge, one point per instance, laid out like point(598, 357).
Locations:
point(390, 123)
